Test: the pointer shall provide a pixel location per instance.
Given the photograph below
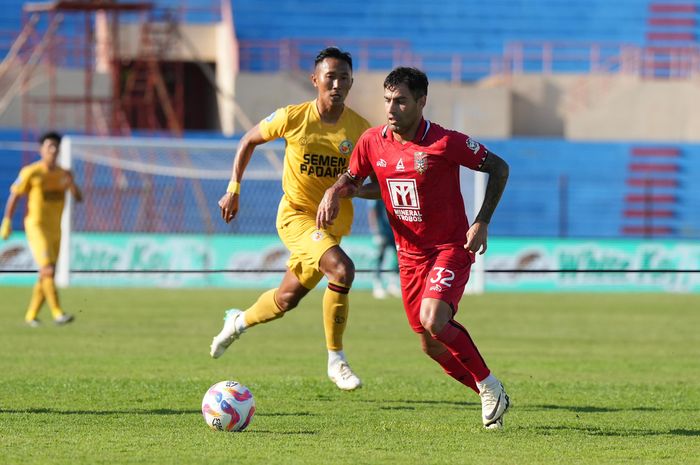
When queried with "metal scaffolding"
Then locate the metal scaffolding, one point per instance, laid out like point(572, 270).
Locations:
point(126, 42)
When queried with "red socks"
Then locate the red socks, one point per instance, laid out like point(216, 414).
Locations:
point(460, 344)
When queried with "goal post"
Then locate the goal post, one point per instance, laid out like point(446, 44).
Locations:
point(473, 190)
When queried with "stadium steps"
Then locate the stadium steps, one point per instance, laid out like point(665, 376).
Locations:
point(672, 39)
point(652, 202)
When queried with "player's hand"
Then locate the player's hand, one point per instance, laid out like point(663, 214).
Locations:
point(5, 228)
point(328, 209)
point(476, 237)
point(229, 206)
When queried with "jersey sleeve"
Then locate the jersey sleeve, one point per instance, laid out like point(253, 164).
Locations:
point(466, 151)
point(360, 164)
point(21, 185)
point(275, 125)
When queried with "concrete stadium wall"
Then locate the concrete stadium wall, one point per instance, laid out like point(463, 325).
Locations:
point(466, 108)
point(576, 107)
point(604, 107)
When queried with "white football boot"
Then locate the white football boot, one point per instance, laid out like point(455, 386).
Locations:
point(64, 319)
point(494, 402)
point(343, 377)
point(228, 333)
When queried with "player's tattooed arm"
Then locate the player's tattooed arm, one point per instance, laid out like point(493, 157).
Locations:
point(497, 170)
point(477, 235)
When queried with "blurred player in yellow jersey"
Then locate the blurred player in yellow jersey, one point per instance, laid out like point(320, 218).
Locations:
point(45, 185)
point(320, 135)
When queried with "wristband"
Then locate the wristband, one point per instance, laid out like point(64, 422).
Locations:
point(234, 187)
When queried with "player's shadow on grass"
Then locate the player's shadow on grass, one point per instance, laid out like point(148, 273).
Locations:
point(414, 404)
point(587, 408)
point(157, 411)
point(594, 431)
point(287, 433)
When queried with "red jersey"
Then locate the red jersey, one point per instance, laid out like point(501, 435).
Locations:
point(419, 182)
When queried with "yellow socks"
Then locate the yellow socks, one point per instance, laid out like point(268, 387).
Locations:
point(49, 288)
point(35, 303)
point(264, 310)
point(335, 315)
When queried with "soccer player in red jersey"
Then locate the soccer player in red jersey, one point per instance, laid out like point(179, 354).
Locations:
point(416, 165)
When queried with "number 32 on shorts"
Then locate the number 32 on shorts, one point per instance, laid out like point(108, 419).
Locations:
point(442, 276)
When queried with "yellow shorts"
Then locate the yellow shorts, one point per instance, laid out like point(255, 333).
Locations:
point(44, 246)
point(306, 243)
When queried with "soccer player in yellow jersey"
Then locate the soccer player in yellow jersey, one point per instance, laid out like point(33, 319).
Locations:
point(320, 135)
point(45, 185)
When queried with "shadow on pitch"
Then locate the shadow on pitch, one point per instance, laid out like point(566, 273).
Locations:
point(159, 411)
point(415, 404)
point(595, 431)
point(276, 433)
point(587, 408)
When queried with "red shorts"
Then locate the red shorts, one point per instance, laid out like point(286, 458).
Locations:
point(441, 274)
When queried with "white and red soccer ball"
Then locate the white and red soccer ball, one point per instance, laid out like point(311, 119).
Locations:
point(228, 406)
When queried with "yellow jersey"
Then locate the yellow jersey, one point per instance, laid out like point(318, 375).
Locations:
point(46, 193)
point(316, 154)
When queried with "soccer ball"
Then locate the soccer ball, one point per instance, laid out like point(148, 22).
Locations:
point(228, 406)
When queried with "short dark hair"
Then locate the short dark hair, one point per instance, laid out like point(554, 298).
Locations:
point(415, 80)
point(51, 135)
point(333, 52)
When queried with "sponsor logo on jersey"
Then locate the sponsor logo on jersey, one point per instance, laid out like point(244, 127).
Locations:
point(420, 162)
point(404, 199)
point(436, 287)
point(271, 116)
point(399, 165)
point(323, 166)
point(345, 147)
point(473, 145)
point(317, 235)
point(381, 163)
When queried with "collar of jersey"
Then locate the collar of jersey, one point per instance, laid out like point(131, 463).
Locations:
point(421, 132)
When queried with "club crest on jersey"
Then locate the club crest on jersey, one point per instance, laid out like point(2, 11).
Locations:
point(473, 145)
point(345, 147)
point(420, 162)
point(399, 165)
point(317, 235)
point(381, 163)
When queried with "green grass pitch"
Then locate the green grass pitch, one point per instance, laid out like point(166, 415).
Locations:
point(593, 379)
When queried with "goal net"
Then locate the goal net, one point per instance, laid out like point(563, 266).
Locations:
point(158, 189)
point(165, 186)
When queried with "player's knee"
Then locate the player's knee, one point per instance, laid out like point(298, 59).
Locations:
point(431, 322)
point(343, 272)
point(47, 271)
